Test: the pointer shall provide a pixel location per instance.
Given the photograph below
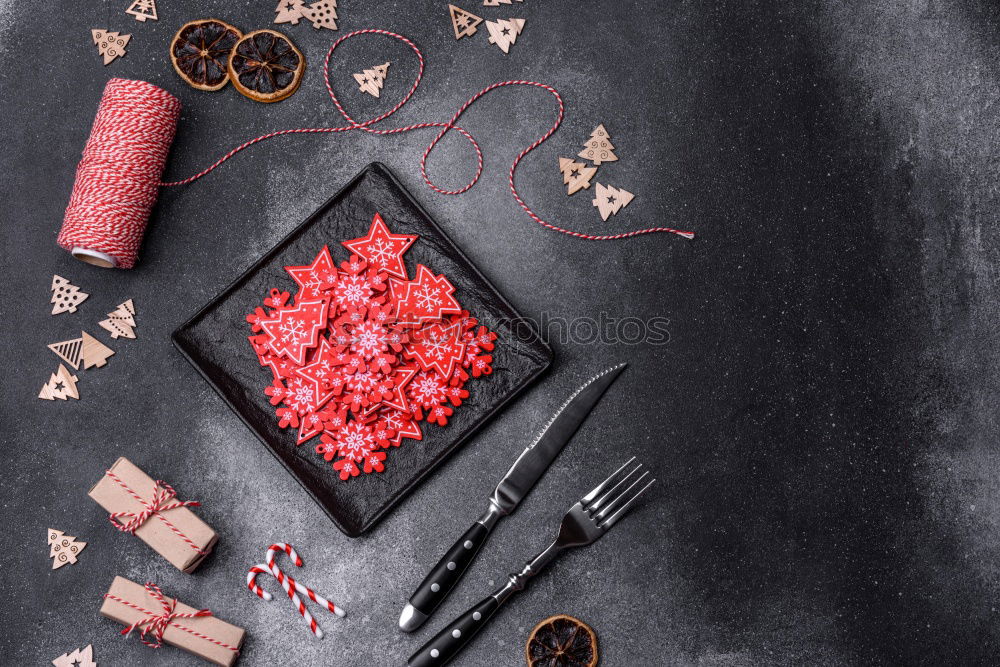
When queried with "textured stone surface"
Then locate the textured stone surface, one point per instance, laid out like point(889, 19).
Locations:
point(822, 422)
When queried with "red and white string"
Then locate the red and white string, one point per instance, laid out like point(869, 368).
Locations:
point(117, 179)
point(158, 622)
point(163, 493)
point(367, 126)
point(291, 586)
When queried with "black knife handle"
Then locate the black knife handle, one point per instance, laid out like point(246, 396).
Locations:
point(439, 582)
point(447, 643)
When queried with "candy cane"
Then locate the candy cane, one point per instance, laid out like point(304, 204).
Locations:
point(299, 587)
point(290, 585)
point(304, 590)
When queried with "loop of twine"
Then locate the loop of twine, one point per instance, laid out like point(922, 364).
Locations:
point(367, 126)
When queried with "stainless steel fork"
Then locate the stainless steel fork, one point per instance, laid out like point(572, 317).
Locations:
point(585, 521)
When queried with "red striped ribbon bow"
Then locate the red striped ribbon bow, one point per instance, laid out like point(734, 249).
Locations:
point(163, 493)
point(156, 624)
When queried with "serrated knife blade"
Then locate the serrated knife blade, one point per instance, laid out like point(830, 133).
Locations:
point(536, 457)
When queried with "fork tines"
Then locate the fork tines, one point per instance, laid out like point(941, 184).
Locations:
point(612, 498)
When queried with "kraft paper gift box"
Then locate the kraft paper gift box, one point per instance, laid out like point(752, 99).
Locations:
point(176, 534)
point(207, 637)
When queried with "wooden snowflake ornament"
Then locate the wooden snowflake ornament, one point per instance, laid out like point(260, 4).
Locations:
point(290, 11)
point(61, 385)
point(120, 322)
point(464, 23)
point(63, 548)
point(110, 44)
point(323, 14)
point(371, 80)
point(576, 175)
point(504, 32)
point(81, 657)
point(598, 148)
point(65, 296)
point(609, 200)
point(142, 10)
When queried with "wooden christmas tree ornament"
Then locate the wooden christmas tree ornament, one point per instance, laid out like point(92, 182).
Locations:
point(609, 200)
point(576, 175)
point(598, 148)
point(81, 657)
point(70, 351)
point(504, 32)
point(323, 14)
point(371, 80)
point(61, 385)
point(94, 353)
point(120, 322)
point(290, 11)
point(63, 548)
point(463, 22)
point(65, 296)
point(110, 44)
point(142, 10)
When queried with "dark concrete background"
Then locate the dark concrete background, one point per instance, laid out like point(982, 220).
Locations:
point(823, 422)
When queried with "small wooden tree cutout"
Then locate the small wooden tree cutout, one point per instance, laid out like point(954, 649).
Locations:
point(63, 548)
point(504, 32)
point(609, 200)
point(95, 353)
point(142, 10)
point(110, 44)
point(463, 22)
point(576, 175)
point(497, 3)
point(81, 657)
point(61, 385)
point(70, 351)
point(323, 14)
point(65, 296)
point(290, 11)
point(120, 323)
point(371, 80)
point(598, 148)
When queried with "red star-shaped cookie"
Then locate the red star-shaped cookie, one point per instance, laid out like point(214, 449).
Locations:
point(425, 298)
point(383, 249)
point(314, 278)
point(294, 330)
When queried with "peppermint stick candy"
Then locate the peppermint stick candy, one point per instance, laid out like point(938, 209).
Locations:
point(291, 586)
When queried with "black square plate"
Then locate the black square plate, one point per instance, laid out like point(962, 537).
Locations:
point(215, 342)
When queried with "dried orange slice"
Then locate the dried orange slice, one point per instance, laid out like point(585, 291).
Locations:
point(561, 641)
point(265, 66)
point(200, 52)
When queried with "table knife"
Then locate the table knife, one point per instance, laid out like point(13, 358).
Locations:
point(515, 485)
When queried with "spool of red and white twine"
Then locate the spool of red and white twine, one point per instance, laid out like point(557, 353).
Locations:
point(118, 178)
